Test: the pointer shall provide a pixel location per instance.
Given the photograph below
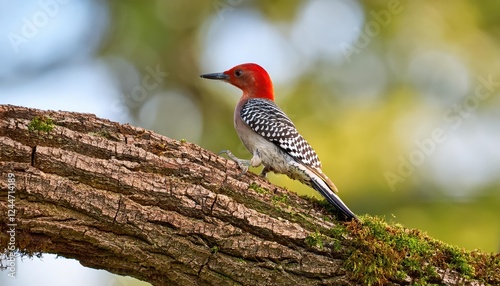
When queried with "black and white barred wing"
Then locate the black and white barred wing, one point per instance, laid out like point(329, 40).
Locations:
point(267, 119)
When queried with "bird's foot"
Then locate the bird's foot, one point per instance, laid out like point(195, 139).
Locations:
point(243, 164)
point(264, 171)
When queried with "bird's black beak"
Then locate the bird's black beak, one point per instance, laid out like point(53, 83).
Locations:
point(219, 76)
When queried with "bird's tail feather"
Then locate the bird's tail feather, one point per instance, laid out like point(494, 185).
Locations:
point(320, 185)
point(333, 199)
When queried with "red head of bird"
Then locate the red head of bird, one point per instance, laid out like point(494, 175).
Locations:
point(251, 78)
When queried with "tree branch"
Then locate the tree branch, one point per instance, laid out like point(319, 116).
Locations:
point(133, 202)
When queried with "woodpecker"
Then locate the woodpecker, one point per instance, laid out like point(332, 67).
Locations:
point(271, 137)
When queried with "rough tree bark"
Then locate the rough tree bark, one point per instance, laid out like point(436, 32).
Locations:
point(133, 202)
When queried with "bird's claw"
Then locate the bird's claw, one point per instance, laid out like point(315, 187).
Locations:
point(225, 151)
point(264, 172)
point(243, 164)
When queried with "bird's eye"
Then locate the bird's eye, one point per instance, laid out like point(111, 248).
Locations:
point(238, 72)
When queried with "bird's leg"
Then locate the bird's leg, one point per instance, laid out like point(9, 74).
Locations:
point(243, 164)
point(264, 172)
